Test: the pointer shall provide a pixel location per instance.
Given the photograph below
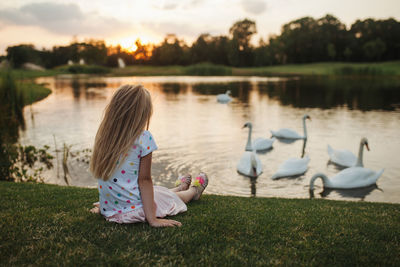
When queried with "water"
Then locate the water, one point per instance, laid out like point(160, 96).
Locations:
point(195, 133)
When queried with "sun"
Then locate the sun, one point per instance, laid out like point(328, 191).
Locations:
point(128, 44)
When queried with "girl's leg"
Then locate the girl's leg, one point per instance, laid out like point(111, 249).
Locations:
point(187, 195)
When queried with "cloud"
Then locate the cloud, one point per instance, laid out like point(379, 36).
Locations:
point(175, 4)
point(254, 7)
point(61, 19)
point(182, 30)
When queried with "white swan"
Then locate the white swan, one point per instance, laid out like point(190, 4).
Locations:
point(344, 157)
point(249, 164)
point(353, 177)
point(292, 167)
point(259, 143)
point(289, 133)
point(224, 98)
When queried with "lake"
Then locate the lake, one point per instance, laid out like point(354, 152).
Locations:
point(196, 133)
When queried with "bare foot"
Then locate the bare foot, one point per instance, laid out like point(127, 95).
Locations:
point(95, 210)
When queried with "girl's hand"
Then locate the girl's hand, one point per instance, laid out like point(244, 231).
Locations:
point(164, 223)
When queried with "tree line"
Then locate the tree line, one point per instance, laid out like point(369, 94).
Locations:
point(303, 40)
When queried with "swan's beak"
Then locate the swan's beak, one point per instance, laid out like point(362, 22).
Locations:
point(366, 144)
point(308, 117)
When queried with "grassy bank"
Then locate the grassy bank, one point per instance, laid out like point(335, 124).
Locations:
point(48, 225)
point(33, 92)
point(325, 68)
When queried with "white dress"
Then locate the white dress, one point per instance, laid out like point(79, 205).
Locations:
point(119, 196)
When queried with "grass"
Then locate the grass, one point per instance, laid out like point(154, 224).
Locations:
point(208, 69)
point(83, 69)
point(324, 68)
point(50, 225)
point(148, 71)
point(33, 92)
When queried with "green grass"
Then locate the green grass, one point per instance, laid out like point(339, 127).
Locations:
point(50, 225)
point(30, 74)
point(33, 92)
point(324, 68)
point(83, 69)
point(148, 71)
point(208, 69)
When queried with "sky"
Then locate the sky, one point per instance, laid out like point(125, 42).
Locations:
point(57, 22)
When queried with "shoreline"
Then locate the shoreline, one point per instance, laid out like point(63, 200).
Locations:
point(331, 69)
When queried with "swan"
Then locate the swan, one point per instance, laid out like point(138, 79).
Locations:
point(289, 133)
point(224, 98)
point(259, 143)
point(249, 164)
point(292, 167)
point(346, 158)
point(353, 177)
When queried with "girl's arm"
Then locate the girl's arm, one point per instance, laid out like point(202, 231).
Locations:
point(147, 193)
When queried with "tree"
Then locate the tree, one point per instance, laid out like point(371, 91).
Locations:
point(331, 51)
point(171, 52)
point(240, 51)
point(374, 49)
point(20, 54)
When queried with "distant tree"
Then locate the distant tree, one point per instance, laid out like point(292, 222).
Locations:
point(262, 54)
point(20, 54)
point(240, 51)
point(331, 51)
point(171, 52)
point(201, 50)
point(370, 30)
point(374, 49)
point(93, 52)
point(310, 40)
point(347, 53)
point(142, 53)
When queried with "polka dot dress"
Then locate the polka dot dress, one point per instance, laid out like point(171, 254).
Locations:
point(120, 194)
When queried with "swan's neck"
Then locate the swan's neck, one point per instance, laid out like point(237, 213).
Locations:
point(323, 177)
point(248, 145)
point(305, 128)
point(360, 156)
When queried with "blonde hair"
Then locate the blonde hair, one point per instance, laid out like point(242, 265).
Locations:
point(125, 118)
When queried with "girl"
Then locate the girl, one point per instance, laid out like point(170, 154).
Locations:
point(121, 161)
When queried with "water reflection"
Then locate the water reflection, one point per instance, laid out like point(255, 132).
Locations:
point(359, 193)
point(325, 93)
point(195, 133)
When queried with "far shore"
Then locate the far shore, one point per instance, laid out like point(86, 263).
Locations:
point(390, 68)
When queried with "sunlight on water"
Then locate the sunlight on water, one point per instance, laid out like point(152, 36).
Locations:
point(195, 133)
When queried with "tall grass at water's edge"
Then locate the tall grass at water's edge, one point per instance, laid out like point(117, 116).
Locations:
point(48, 225)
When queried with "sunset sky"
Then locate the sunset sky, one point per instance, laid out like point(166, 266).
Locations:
point(56, 22)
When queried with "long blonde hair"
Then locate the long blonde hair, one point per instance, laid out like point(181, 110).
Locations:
point(125, 118)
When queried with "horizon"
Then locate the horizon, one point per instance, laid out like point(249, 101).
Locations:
point(59, 23)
